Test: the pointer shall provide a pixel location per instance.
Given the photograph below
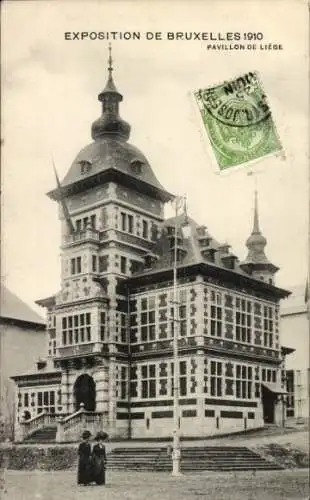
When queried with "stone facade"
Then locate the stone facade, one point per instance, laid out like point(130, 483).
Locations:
point(111, 325)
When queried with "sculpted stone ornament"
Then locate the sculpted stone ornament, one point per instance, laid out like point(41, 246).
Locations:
point(238, 121)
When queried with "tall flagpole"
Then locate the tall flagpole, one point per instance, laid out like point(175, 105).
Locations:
point(176, 451)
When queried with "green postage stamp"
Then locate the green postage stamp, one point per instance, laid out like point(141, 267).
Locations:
point(238, 121)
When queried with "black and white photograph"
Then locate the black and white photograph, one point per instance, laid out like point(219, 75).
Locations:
point(155, 294)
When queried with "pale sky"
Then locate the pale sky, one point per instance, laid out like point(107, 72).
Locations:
point(49, 100)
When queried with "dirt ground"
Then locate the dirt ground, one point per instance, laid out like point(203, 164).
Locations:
point(271, 485)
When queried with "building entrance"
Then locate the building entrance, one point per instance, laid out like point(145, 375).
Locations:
point(85, 392)
point(269, 402)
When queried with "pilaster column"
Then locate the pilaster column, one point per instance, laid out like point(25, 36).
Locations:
point(70, 384)
point(112, 360)
point(199, 317)
point(102, 389)
point(64, 387)
point(112, 397)
point(200, 386)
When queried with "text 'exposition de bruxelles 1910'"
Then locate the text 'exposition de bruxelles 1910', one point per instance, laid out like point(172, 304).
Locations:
point(159, 35)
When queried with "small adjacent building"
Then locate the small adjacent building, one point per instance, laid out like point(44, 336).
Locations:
point(112, 323)
point(295, 333)
point(22, 340)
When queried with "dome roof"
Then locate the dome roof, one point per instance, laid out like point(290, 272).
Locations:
point(104, 126)
point(109, 153)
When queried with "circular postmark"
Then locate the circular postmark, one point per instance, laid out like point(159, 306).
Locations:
point(238, 103)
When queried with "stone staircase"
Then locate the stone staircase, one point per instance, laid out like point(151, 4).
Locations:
point(44, 435)
point(193, 459)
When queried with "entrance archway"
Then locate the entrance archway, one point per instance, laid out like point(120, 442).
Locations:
point(85, 392)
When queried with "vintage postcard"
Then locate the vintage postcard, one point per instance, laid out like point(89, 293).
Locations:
point(154, 307)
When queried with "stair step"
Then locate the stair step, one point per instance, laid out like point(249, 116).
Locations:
point(232, 458)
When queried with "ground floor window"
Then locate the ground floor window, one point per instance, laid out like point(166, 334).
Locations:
point(46, 401)
point(290, 400)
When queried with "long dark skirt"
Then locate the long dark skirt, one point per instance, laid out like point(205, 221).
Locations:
point(84, 464)
point(98, 472)
point(98, 464)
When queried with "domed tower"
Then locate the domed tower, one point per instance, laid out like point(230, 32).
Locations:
point(114, 203)
point(256, 262)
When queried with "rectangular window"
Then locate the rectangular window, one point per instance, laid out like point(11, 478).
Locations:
point(123, 221)
point(144, 229)
point(123, 265)
point(85, 222)
point(76, 265)
point(182, 320)
point(124, 371)
point(76, 329)
point(243, 318)
point(290, 388)
point(94, 263)
point(26, 399)
point(244, 382)
point(148, 319)
point(268, 326)
point(216, 311)
point(103, 327)
point(93, 221)
point(163, 379)
point(216, 378)
point(148, 375)
point(183, 378)
point(78, 225)
point(46, 401)
point(130, 224)
point(45, 398)
point(123, 328)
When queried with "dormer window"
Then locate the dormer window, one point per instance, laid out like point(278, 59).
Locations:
point(136, 166)
point(204, 242)
point(85, 166)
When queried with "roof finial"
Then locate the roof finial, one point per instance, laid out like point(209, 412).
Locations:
point(110, 61)
point(256, 222)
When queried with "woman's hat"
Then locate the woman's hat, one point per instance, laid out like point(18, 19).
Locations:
point(101, 435)
point(86, 434)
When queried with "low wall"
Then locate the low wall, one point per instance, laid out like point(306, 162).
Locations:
point(53, 458)
point(35, 457)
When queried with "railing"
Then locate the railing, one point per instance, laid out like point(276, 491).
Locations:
point(70, 428)
point(44, 419)
point(72, 420)
point(134, 240)
point(159, 345)
point(87, 234)
point(79, 349)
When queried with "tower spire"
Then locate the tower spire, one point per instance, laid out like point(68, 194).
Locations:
point(110, 123)
point(110, 61)
point(256, 262)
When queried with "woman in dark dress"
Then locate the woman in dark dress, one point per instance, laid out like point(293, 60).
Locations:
point(84, 465)
point(99, 459)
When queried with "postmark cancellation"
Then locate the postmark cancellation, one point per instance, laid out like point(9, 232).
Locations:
point(238, 121)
